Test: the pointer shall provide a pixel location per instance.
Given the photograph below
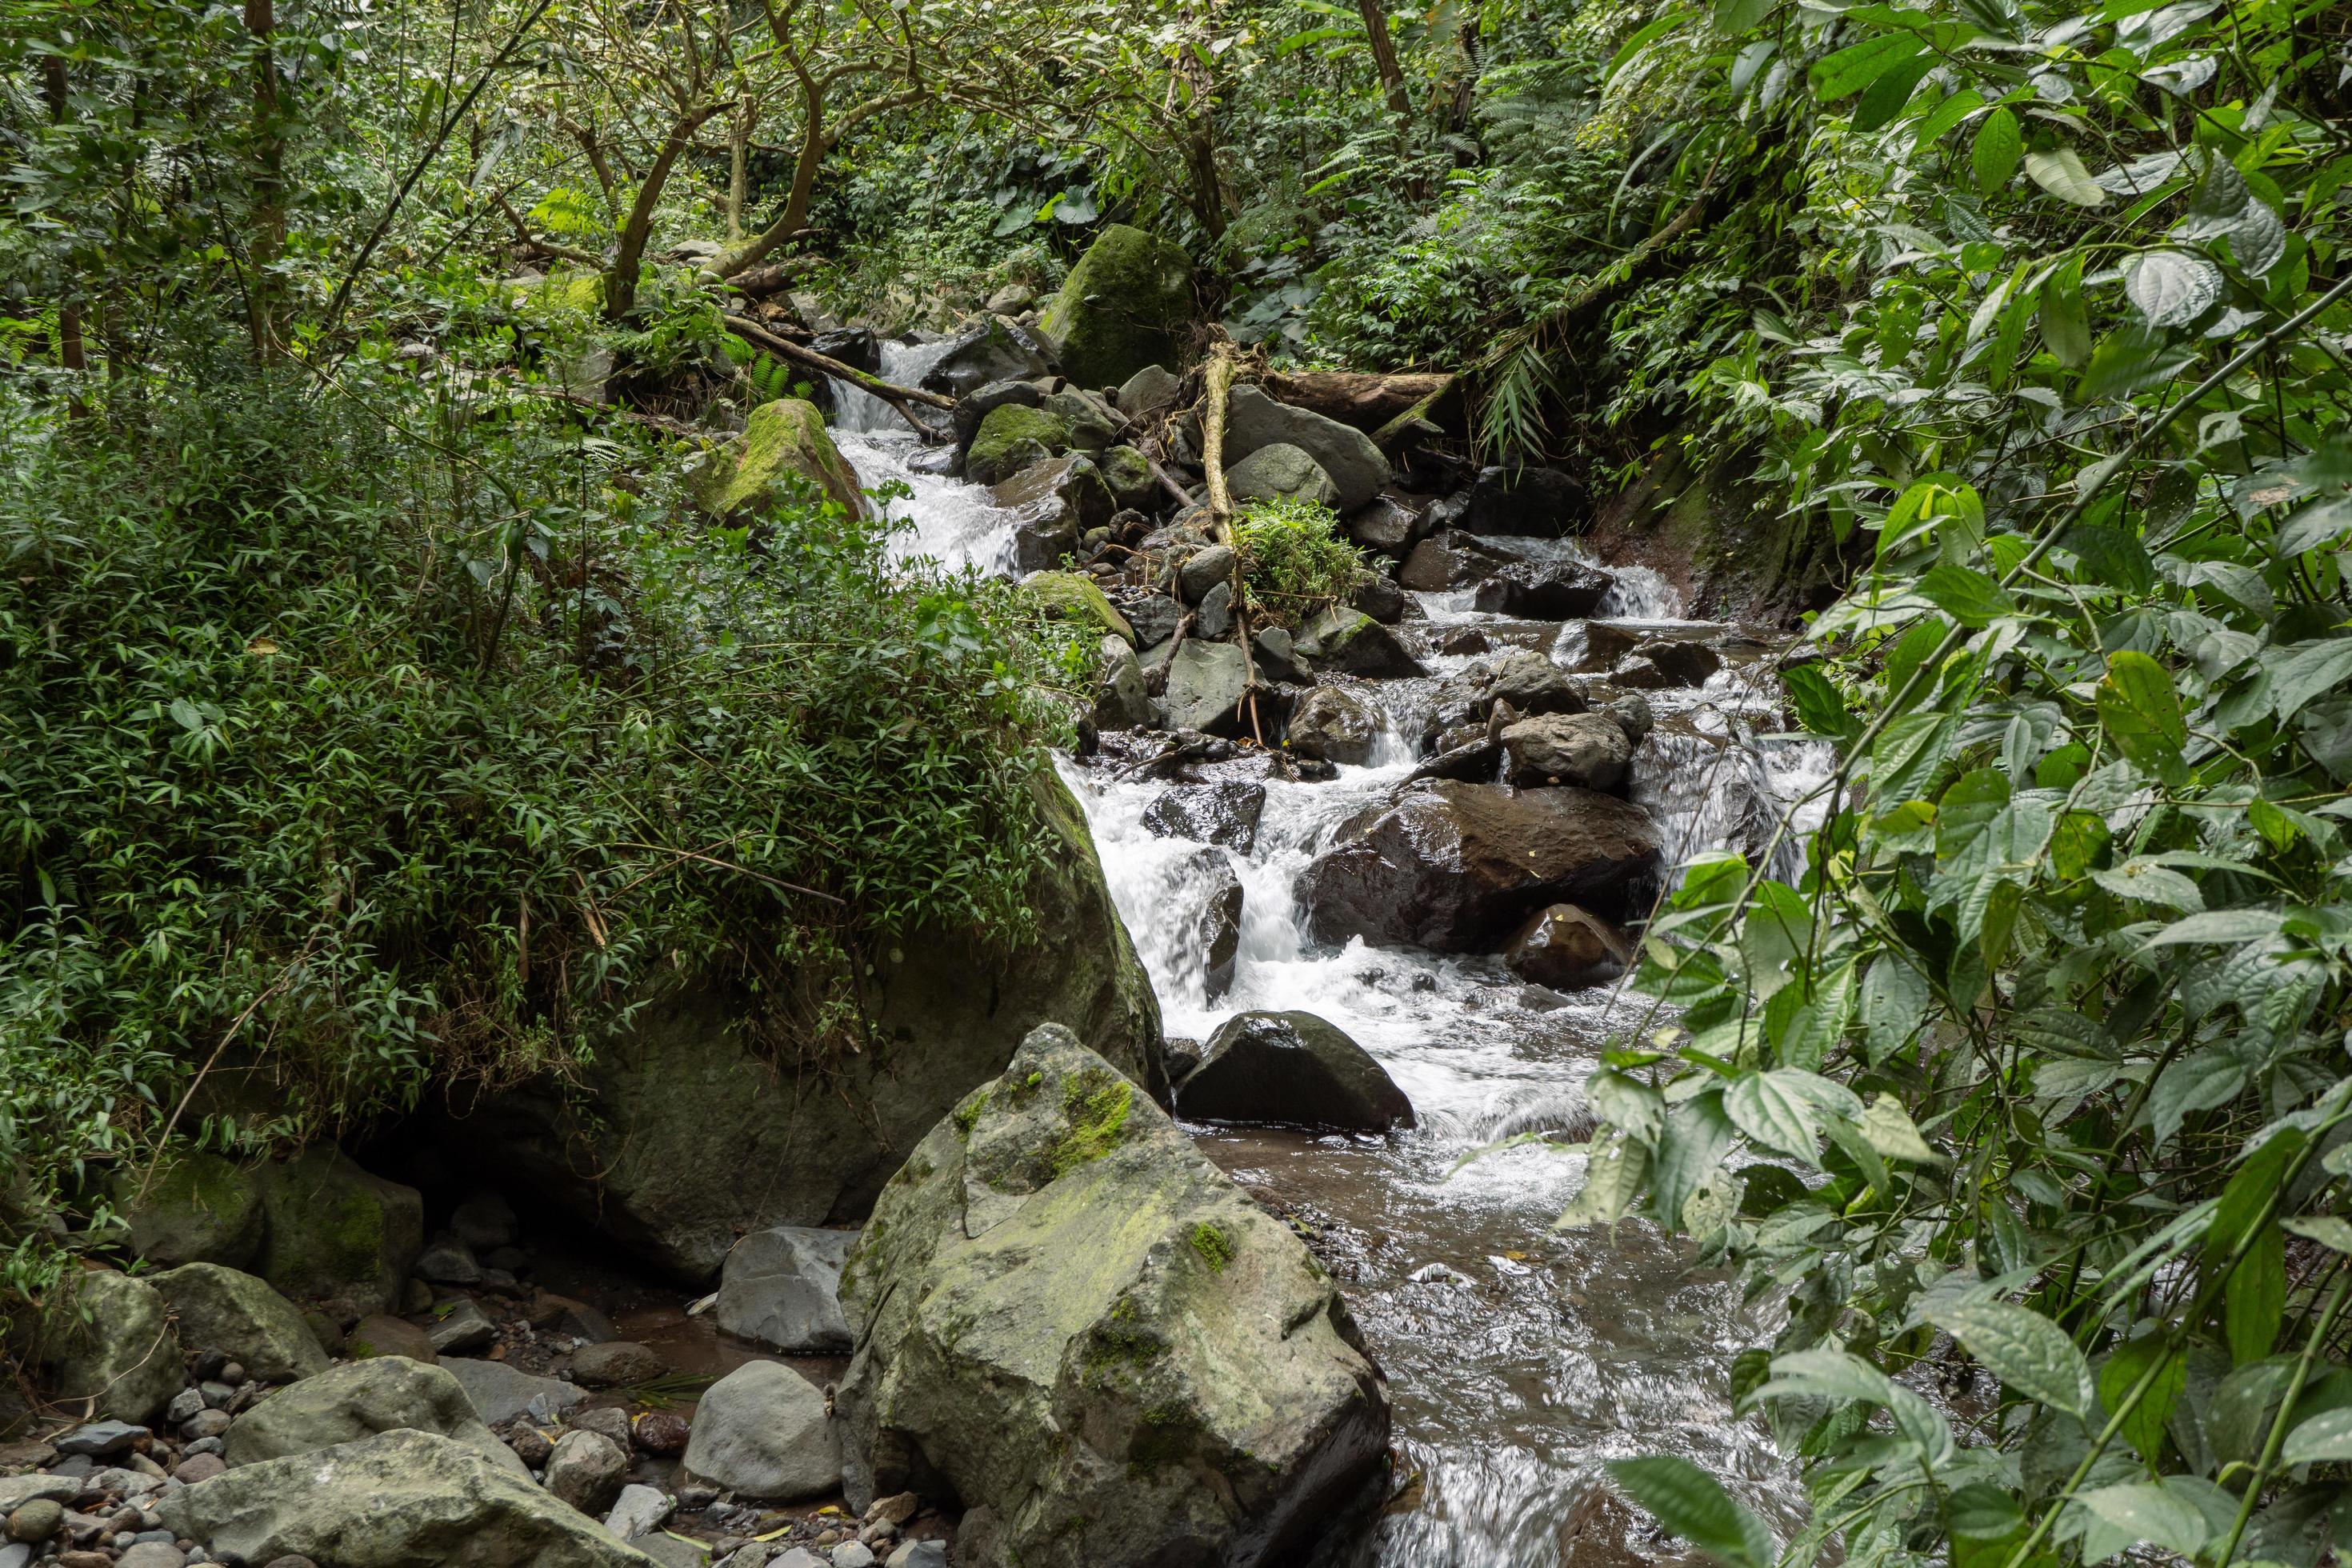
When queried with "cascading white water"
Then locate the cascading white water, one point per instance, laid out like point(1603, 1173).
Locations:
point(945, 520)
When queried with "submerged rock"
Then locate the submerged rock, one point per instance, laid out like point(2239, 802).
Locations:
point(782, 1289)
point(397, 1500)
point(1567, 949)
point(1456, 867)
point(1121, 307)
point(1095, 1341)
point(1291, 1069)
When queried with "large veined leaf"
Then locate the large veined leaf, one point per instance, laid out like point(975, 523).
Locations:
point(1613, 1179)
point(1882, 99)
point(2305, 670)
point(1694, 1505)
point(1696, 1136)
point(2062, 173)
point(2141, 711)
point(1969, 596)
point(1998, 145)
point(1820, 706)
point(2131, 1363)
point(2254, 1302)
point(1888, 1127)
point(2172, 288)
point(2326, 1438)
point(1825, 1374)
point(1771, 1109)
point(1856, 66)
point(2025, 1349)
point(2146, 1511)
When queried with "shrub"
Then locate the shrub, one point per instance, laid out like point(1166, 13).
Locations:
point(1295, 559)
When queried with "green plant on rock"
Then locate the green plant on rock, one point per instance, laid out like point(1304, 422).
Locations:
point(1295, 560)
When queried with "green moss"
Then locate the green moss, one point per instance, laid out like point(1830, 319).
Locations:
point(782, 438)
point(967, 1115)
point(1129, 473)
point(1010, 438)
point(1122, 307)
point(1097, 1102)
point(1072, 596)
point(1119, 1343)
point(1216, 1248)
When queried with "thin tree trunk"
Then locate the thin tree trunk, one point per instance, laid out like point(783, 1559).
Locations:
point(621, 282)
point(1376, 28)
point(739, 158)
point(72, 358)
point(268, 242)
point(1219, 389)
point(796, 205)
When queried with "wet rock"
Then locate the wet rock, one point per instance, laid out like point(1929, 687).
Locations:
point(390, 1501)
point(782, 1289)
point(1466, 757)
point(1598, 645)
point(1153, 618)
point(500, 1394)
point(1052, 503)
point(553, 1315)
point(1072, 596)
point(785, 451)
point(335, 1230)
point(1213, 619)
point(1206, 683)
point(1346, 455)
point(1204, 570)
point(1122, 701)
point(761, 1431)
point(663, 1432)
point(1451, 560)
point(610, 1421)
point(1382, 599)
point(617, 1364)
point(1384, 524)
point(379, 1334)
point(1149, 391)
point(1463, 640)
point(464, 1326)
point(1226, 814)
point(201, 1208)
point(114, 1347)
point(1457, 867)
point(1633, 715)
point(989, 348)
point(1528, 682)
point(975, 407)
point(1216, 916)
point(1013, 437)
point(1197, 1391)
point(1092, 424)
point(1539, 502)
point(857, 347)
point(235, 1313)
point(586, 1469)
point(1129, 473)
point(1662, 663)
point(1567, 949)
point(446, 1260)
point(1291, 1069)
point(1334, 725)
point(1587, 749)
point(1280, 471)
point(1543, 590)
point(350, 1402)
point(1277, 657)
point(639, 1511)
point(1349, 642)
point(1121, 307)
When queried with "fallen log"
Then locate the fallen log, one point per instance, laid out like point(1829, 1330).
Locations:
point(772, 278)
point(1219, 386)
point(902, 398)
point(1364, 400)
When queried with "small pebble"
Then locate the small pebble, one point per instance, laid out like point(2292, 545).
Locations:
point(234, 1374)
point(662, 1432)
point(850, 1554)
point(204, 1445)
point(84, 1559)
point(205, 1424)
point(217, 1393)
point(184, 1403)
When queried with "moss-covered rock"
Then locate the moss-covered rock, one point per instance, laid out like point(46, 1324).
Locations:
point(1127, 472)
point(1081, 1324)
point(1011, 438)
point(241, 1316)
point(335, 1230)
point(1073, 595)
point(201, 1208)
point(1124, 306)
point(109, 1339)
point(786, 438)
point(682, 1135)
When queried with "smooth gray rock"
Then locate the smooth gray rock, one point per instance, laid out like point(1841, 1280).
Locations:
point(587, 1470)
point(500, 1393)
point(782, 1289)
point(1333, 725)
point(989, 348)
point(124, 1357)
point(1345, 453)
point(1149, 391)
point(15, 1491)
point(919, 1554)
point(396, 1499)
point(1279, 471)
point(1121, 699)
point(241, 1316)
point(1214, 617)
point(1086, 1329)
point(446, 1260)
point(100, 1438)
point(1206, 683)
point(1587, 749)
point(761, 1431)
point(153, 1554)
point(464, 1326)
point(1204, 570)
point(356, 1400)
point(853, 1554)
point(1291, 1069)
point(639, 1511)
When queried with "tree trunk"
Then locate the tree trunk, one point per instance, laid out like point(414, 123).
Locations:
point(739, 157)
point(268, 242)
point(621, 282)
point(1376, 28)
point(72, 358)
point(1352, 397)
point(796, 205)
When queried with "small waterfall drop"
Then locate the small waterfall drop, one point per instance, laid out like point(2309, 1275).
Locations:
point(945, 519)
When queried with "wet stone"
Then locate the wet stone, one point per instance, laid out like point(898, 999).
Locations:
point(1221, 814)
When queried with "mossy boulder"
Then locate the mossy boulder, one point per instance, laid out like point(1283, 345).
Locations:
point(1073, 595)
point(1011, 438)
point(335, 1230)
point(1125, 305)
point(356, 1400)
point(201, 1208)
point(682, 1135)
point(109, 1339)
point(780, 441)
point(241, 1316)
point(1090, 1332)
point(1127, 472)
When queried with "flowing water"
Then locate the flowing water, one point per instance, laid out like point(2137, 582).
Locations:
point(1518, 1358)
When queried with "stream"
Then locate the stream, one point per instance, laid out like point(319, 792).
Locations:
point(1518, 1358)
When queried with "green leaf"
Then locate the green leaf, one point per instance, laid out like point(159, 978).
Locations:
point(2145, 1511)
point(1694, 1505)
point(2220, 927)
point(2066, 325)
point(1820, 706)
point(1825, 1374)
point(2172, 288)
point(1888, 1127)
point(1734, 18)
point(1613, 1179)
point(1882, 99)
point(2325, 1439)
point(2304, 672)
point(2141, 711)
point(186, 714)
point(1771, 1109)
point(1856, 66)
point(2144, 1427)
point(1697, 1134)
point(1894, 1003)
point(1999, 143)
point(1969, 596)
point(1982, 1512)
point(2254, 1302)
point(1946, 115)
point(2063, 175)
point(2024, 1350)
point(2325, 1229)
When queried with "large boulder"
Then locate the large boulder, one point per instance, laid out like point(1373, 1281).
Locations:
point(1355, 467)
point(1124, 306)
point(1349, 642)
point(1541, 503)
point(1014, 438)
point(1589, 750)
point(1278, 472)
point(1210, 924)
point(201, 1208)
point(1291, 1069)
point(762, 1431)
point(335, 1230)
point(500, 1394)
point(1541, 590)
point(1206, 683)
point(112, 1344)
point(1074, 597)
point(1225, 813)
point(1122, 699)
point(1333, 725)
point(241, 1316)
point(357, 1400)
point(972, 409)
point(1456, 867)
point(1052, 504)
point(989, 348)
point(1451, 559)
point(1079, 1326)
point(782, 444)
point(684, 1133)
point(396, 1499)
point(1567, 949)
point(782, 1289)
